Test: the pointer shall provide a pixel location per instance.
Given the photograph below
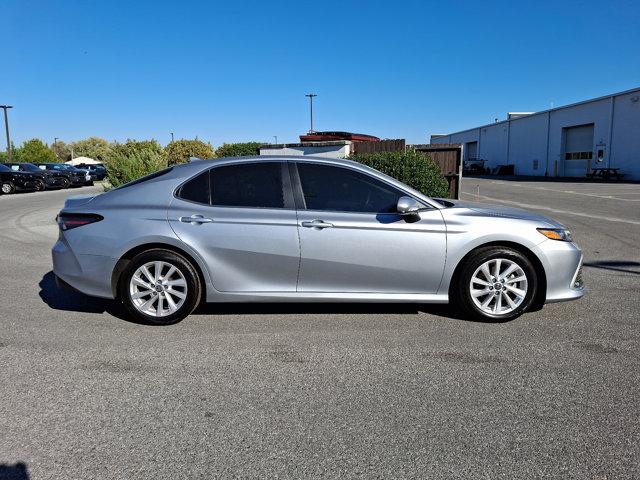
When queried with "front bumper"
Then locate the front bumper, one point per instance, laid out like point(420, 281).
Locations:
point(52, 182)
point(26, 185)
point(562, 262)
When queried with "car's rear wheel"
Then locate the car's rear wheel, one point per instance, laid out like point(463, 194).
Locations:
point(40, 185)
point(496, 284)
point(159, 287)
point(65, 183)
point(7, 187)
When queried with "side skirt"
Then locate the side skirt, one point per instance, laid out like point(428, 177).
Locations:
point(319, 297)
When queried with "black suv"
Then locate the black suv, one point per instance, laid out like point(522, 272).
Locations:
point(96, 170)
point(50, 178)
point(77, 178)
point(11, 181)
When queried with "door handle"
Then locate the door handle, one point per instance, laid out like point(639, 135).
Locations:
point(196, 219)
point(317, 224)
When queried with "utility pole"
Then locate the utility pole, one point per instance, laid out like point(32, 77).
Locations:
point(311, 95)
point(171, 137)
point(276, 137)
point(6, 127)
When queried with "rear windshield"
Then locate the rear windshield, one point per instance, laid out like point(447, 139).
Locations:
point(151, 176)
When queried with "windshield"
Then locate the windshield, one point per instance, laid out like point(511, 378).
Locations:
point(4, 168)
point(31, 167)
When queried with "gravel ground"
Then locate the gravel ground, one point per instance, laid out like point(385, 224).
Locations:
point(293, 391)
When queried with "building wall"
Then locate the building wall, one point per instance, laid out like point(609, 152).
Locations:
point(625, 143)
point(528, 143)
point(521, 141)
point(332, 151)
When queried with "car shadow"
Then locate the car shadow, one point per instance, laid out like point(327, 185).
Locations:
point(17, 471)
point(625, 266)
point(70, 300)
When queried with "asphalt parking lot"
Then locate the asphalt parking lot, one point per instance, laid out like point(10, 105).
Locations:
point(384, 391)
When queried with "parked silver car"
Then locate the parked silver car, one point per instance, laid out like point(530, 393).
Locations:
point(304, 229)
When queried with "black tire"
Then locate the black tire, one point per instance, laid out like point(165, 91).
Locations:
point(461, 289)
point(7, 188)
point(193, 286)
point(40, 186)
point(65, 183)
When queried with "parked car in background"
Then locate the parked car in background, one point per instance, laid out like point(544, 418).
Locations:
point(305, 229)
point(77, 178)
point(12, 181)
point(50, 178)
point(97, 170)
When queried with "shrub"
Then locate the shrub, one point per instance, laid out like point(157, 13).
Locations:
point(137, 146)
point(180, 151)
point(126, 166)
point(410, 167)
point(246, 149)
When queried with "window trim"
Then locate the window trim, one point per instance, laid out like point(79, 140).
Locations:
point(299, 193)
point(287, 194)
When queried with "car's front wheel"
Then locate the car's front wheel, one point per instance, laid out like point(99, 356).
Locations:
point(40, 186)
point(159, 287)
point(496, 284)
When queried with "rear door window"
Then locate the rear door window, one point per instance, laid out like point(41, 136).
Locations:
point(254, 185)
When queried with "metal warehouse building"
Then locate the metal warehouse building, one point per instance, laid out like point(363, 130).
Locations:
point(566, 141)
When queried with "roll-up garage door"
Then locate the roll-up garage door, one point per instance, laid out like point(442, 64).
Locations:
point(578, 150)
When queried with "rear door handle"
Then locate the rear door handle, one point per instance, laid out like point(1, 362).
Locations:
point(317, 224)
point(196, 219)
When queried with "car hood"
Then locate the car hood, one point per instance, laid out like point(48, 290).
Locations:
point(499, 211)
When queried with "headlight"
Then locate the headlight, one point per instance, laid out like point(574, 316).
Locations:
point(556, 234)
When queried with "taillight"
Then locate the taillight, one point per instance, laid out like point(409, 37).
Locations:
point(67, 221)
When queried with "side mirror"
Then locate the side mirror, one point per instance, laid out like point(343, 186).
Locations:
point(408, 206)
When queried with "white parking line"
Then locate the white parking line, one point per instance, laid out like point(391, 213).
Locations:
point(555, 210)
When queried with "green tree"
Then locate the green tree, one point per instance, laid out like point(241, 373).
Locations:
point(137, 146)
point(410, 167)
point(92, 147)
point(4, 156)
point(180, 151)
point(62, 150)
point(246, 149)
point(35, 151)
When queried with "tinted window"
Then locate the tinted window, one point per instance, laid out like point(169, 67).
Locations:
point(196, 189)
point(343, 190)
point(4, 168)
point(247, 185)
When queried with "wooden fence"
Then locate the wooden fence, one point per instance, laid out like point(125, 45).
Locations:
point(448, 156)
point(395, 145)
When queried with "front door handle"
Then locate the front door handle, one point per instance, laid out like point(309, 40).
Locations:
point(196, 219)
point(317, 224)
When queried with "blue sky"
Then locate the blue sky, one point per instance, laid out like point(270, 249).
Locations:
point(238, 70)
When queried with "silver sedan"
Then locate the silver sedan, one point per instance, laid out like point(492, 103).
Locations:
point(304, 229)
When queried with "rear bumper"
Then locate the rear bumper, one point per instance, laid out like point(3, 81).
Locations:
point(562, 262)
point(89, 274)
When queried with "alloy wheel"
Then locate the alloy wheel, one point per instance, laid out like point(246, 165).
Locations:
point(498, 286)
point(158, 289)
